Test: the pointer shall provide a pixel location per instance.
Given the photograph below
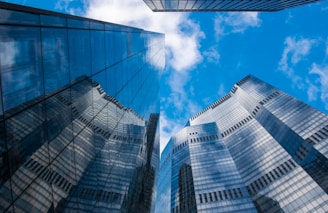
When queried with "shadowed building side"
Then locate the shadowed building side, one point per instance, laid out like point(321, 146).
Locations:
point(187, 198)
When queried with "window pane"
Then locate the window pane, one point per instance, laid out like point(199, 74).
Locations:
point(76, 23)
point(5, 195)
point(55, 56)
point(98, 50)
point(100, 84)
point(64, 179)
point(15, 17)
point(111, 84)
point(59, 122)
point(79, 53)
point(82, 105)
point(56, 21)
point(110, 51)
point(21, 74)
point(26, 141)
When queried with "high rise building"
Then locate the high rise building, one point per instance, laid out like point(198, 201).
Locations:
point(223, 5)
point(257, 149)
point(78, 113)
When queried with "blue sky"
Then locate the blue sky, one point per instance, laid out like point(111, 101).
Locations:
point(206, 53)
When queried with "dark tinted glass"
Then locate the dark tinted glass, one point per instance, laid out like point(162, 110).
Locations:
point(55, 58)
point(21, 73)
point(79, 53)
point(59, 122)
point(98, 53)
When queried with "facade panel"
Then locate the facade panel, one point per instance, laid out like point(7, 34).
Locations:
point(256, 149)
point(223, 5)
point(78, 113)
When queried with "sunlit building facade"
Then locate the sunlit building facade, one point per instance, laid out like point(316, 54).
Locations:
point(257, 149)
point(78, 113)
point(223, 5)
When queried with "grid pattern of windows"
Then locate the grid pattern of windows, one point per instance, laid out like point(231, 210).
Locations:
point(236, 126)
point(78, 122)
point(266, 179)
point(318, 136)
point(223, 5)
point(227, 194)
point(213, 181)
point(212, 106)
point(271, 155)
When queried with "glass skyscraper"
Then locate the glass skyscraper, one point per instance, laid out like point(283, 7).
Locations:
point(223, 5)
point(257, 149)
point(78, 113)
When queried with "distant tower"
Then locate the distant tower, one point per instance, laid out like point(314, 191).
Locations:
point(257, 149)
point(223, 5)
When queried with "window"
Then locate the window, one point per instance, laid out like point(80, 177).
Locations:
point(229, 193)
point(225, 194)
point(215, 196)
point(240, 193)
point(235, 193)
point(220, 194)
point(21, 71)
point(210, 195)
point(205, 197)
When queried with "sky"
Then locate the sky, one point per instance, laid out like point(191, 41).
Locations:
point(207, 53)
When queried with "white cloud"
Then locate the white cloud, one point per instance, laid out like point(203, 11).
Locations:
point(159, 61)
point(235, 22)
point(8, 53)
point(67, 6)
point(170, 125)
point(241, 21)
point(182, 41)
point(221, 91)
point(312, 91)
point(289, 18)
point(294, 51)
point(167, 128)
point(218, 26)
point(182, 35)
point(178, 97)
point(315, 81)
point(322, 79)
point(212, 55)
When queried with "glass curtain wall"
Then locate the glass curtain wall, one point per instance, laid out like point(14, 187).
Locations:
point(76, 98)
point(256, 149)
point(223, 5)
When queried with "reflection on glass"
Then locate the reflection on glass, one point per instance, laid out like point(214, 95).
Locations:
point(69, 137)
point(269, 136)
point(79, 53)
point(187, 198)
point(222, 5)
point(106, 161)
point(98, 53)
point(55, 55)
point(264, 204)
point(59, 122)
point(21, 73)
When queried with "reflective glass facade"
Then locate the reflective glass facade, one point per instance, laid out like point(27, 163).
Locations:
point(78, 113)
point(223, 5)
point(256, 149)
